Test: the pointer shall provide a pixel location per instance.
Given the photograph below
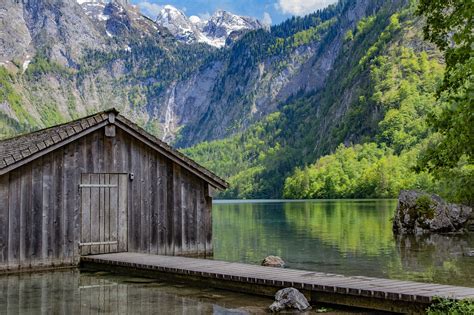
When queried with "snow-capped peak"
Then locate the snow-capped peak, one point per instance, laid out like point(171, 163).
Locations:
point(121, 2)
point(171, 14)
point(92, 1)
point(214, 31)
point(169, 7)
point(177, 23)
point(195, 19)
point(118, 17)
point(223, 23)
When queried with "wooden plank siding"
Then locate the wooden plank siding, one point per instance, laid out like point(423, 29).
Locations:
point(4, 220)
point(165, 208)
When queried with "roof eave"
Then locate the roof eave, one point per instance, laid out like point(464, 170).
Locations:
point(171, 153)
point(52, 148)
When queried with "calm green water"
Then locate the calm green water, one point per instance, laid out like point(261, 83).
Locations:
point(350, 237)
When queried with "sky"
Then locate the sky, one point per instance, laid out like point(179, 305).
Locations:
point(267, 11)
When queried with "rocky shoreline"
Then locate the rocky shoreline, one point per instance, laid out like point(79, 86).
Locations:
point(420, 213)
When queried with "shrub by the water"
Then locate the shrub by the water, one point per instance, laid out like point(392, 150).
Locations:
point(445, 306)
point(424, 206)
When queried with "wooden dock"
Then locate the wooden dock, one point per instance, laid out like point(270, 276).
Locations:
point(366, 292)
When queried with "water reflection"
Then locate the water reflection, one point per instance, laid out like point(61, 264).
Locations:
point(352, 237)
point(71, 292)
point(436, 258)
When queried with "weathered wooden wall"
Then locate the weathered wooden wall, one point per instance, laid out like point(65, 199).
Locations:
point(169, 210)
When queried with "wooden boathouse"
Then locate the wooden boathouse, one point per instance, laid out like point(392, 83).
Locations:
point(98, 185)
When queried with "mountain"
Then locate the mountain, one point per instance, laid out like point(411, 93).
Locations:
point(269, 102)
point(118, 18)
point(359, 133)
point(259, 73)
point(178, 24)
point(29, 26)
point(221, 28)
point(66, 30)
point(64, 59)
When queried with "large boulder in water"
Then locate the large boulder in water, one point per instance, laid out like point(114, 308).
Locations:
point(289, 298)
point(419, 213)
point(273, 261)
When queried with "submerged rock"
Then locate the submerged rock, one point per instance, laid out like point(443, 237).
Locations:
point(289, 298)
point(273, 261)
point(419, 213)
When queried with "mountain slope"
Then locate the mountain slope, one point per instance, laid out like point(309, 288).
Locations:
point(184, 93)
point(356, 105)
point(178, 24)
point(79, 58)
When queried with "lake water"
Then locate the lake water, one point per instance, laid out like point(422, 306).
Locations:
point(91, 292)
point(345, 237)
point(350, 237)
point(74, 292)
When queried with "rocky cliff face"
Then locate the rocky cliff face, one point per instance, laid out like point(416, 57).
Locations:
point(61, 27)
point(65, 30)
point(67, 59)
point(121, 21)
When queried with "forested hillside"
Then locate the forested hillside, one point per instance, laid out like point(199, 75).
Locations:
point(359, 136)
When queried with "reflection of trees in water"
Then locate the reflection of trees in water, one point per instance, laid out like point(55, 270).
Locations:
point(435, 258)
point(356, 227)
point(349, 237)
point(346, 237)
point(247, 232)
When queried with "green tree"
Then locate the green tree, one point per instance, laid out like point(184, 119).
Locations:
point(450, 24)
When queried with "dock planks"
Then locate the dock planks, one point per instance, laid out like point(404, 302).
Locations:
point(391, 295)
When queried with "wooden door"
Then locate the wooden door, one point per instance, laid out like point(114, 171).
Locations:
point(103, 213)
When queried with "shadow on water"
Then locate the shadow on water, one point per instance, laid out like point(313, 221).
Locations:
point(351, 237)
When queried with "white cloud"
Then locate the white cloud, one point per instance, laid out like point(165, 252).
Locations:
point(302, 7)
point(267, 19)
point(150, 9)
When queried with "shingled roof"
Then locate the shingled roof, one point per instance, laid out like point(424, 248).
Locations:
point(22, 149)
